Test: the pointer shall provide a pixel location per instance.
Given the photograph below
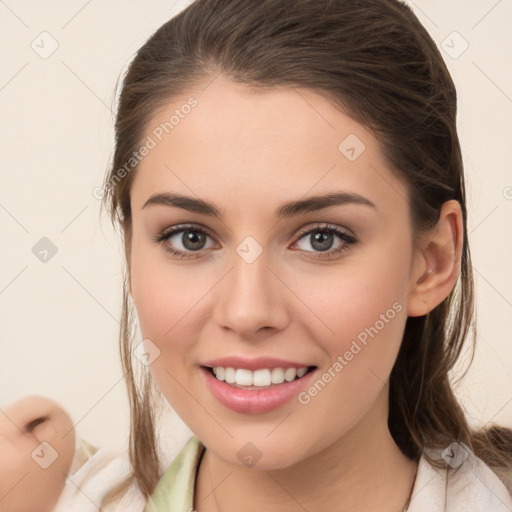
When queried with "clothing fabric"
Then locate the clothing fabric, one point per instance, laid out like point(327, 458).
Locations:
point(465, 484)
point(94, 471)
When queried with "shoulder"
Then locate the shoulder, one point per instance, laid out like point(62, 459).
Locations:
point(93, 473)
point(96, 471)
point(464, 482)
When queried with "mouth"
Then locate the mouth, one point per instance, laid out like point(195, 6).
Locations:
point(258, 380)
point(255, 385)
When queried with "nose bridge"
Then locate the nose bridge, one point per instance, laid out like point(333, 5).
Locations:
point(250, 297)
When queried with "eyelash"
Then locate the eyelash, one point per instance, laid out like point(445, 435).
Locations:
point(348, 240)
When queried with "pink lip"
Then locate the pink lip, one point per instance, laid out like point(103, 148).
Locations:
point(254, 401)
point(257, 363)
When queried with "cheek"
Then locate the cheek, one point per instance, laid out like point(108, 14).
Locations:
point(10, 463)
point(366, 315)
point(167, 299)
point(155, 294)
point(357, 299)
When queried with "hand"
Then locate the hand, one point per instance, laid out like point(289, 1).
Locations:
point(26, 484)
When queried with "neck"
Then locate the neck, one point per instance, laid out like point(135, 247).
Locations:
point(363, 470)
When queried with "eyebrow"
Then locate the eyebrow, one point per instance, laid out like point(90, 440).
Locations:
point(288, 209)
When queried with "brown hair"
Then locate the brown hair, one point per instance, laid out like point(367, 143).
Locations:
point(374, 60)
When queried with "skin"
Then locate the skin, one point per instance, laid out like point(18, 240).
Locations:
point(248, 152)
point(26, 486)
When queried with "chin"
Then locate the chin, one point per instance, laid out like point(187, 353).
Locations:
point(257, 453)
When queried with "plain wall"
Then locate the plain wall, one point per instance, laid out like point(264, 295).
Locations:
point(59, 319)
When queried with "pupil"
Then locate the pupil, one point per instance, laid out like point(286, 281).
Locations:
point(324, 239)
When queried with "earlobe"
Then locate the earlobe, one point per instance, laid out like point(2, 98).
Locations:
point(439, 265)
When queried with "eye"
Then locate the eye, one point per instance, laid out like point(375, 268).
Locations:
point(193, 239)
point(189, 237)
point(322, 238)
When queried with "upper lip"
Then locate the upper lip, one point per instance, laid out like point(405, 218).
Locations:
point(252, 364)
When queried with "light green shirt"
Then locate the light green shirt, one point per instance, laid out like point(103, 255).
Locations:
point(174, 492)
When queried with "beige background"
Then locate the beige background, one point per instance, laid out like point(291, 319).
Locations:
point(59, 319)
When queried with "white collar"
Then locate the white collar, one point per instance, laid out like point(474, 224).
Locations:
point(465, 484)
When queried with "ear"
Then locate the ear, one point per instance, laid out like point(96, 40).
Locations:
point(438, 262)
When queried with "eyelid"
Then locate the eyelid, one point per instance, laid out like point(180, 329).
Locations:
point(164, 235)
point(167, 232)
point(324, 226)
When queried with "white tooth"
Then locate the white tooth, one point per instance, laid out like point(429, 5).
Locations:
point(243, 377)
point(261, 378)
point(277, 376)
point(229, 375)
point(214, 371)
point(302, 371)
point(290, 374)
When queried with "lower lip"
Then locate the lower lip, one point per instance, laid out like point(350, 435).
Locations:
point(255, 401)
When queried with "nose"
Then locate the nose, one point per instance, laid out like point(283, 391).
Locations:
point(251, 300)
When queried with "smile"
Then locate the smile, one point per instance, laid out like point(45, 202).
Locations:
point(256, 391)
point(258, 379)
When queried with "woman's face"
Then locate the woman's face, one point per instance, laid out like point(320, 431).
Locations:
point(253, 290)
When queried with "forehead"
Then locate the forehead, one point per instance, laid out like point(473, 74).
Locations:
point(241, 147)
